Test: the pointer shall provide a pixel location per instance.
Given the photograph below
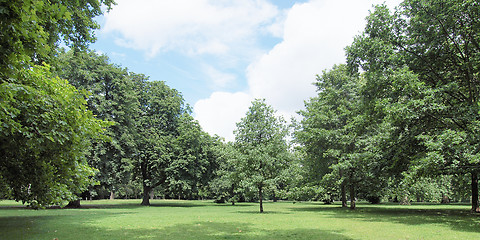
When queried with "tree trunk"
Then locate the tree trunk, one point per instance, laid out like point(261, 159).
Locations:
point(260, 196)
point(475, 205)
point(274, 196)
point(74, 204)
point(112, 195)
point(232, 194)
point(352, 197)
point(146, 195)
point(344, 192)
point(344, 195)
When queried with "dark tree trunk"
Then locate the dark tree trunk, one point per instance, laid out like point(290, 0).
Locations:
point(344, 192)
point(260, 197)
point(475, 205)
point(274, 196)
point(74, 204)
point(344, 195)
point(352, 193)
point(232, 194)
point(352, 197)
point(146, 195)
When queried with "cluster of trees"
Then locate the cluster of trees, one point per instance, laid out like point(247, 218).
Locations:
point(404, 111)
point(398, 121)
point(154, 142)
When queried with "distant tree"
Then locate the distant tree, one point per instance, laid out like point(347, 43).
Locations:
point(193, 162)
point(260, 138)
point(328, 132)
point(225, 185)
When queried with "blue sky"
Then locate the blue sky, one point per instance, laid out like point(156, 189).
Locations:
point(222, 54)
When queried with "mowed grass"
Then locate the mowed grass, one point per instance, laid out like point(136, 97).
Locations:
point(169, 219)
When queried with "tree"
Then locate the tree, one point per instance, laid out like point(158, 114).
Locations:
point(193, 161)
point(45, 130)
point(111, 97)
point(31, 32)
point(327, 131)
point(439, 44)
point(260, 140)
point(226, 184)
point(161, 109)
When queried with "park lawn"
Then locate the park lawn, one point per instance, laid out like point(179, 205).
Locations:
point(171, 219)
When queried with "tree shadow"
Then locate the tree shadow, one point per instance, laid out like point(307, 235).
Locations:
point(456, 219)
point(47, 224)
point(69, 227)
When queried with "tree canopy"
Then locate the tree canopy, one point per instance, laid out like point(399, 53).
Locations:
point(261, 141)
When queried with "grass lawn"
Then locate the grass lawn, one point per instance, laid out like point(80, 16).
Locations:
point(168, 219)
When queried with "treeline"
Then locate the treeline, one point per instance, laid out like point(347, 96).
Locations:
point(399, 121)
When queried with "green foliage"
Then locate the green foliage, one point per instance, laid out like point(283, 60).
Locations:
point(260, 138)
point(45, 129)
point(111, 96)
point(31, 30)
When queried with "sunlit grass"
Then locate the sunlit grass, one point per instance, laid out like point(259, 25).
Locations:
point(169, 219)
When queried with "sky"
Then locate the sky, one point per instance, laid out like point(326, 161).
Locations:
point(223, 54)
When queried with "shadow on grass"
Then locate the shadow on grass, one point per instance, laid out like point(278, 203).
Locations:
point(74, 227)
point(49, 224)
point(456, 219)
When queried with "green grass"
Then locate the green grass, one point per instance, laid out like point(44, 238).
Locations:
point(168, 219)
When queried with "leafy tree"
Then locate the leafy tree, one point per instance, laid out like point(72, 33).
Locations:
point(260, 140)
point(328, 131)
point(193, 162)
point(161, 109)
point(31, 31)
point(45, 129)
point(439, 44)
point(111, 97)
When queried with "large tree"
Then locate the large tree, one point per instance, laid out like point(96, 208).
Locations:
point(260, 138)
point(45, 130)
point(111, 97)
point(160, 111)
point(43, 140)
point(438, 42)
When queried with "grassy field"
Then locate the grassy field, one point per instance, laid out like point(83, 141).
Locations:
point(168, 219)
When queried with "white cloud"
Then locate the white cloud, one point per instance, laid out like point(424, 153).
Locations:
point(220, 113)
point(217, 78)
point(314, 37)
point(192, 27)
